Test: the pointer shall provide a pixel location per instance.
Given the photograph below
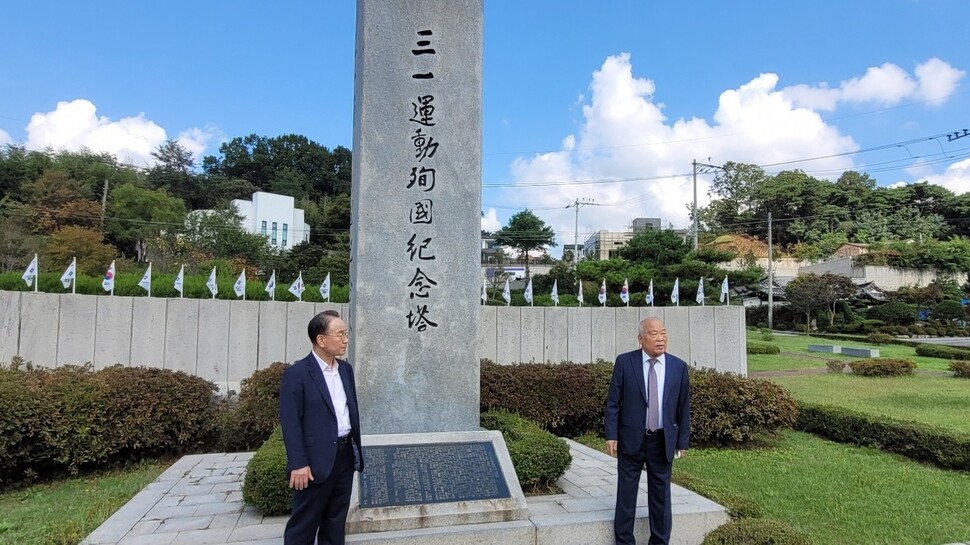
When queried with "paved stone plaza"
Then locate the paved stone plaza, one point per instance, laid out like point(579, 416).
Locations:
point(197, 501)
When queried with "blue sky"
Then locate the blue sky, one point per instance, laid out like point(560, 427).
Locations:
point(573, 91)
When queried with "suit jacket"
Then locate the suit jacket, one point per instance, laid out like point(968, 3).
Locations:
point(309, 420)
point(626, 404)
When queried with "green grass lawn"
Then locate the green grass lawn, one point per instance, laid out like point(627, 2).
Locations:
point(839, 494)
point(65, 512)
point(941, 401)
point(795, 354)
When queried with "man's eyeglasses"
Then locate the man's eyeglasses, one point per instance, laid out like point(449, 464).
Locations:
point(343, 335)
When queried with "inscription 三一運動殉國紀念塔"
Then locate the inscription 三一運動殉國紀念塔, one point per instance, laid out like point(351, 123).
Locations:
point(430, 473)
point(425, 148)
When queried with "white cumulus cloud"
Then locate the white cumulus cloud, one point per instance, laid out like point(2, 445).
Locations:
point(886, 84)
point(937, 80)
point(490, 221)
point(933, 81)
point(634, 162)
point(956, 177)
point(5, 138)
point(75, 125)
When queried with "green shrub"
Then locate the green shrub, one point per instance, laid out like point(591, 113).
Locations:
point(930, 330)
point(921, 442)
point(566, 399)
point(835, 366)
point(882, 367)
point(943, 352)
point(266, 485)
point(729, 409)
point(755, 531)
point(538, 456)
point(249, 422)
point(754, 347)
point(916, 329)
point(766, 334)
point(948, 310)
point(894, 313)
point(960, 369)
point(726, 409)
point(73, 417)
point(879, 338)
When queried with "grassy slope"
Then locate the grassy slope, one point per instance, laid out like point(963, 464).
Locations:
point(64, 512)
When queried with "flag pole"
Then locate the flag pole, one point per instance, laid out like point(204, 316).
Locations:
point(74, 280)
point(37, 274)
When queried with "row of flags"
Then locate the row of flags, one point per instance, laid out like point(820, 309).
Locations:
point(69, 280)
point(624, 293)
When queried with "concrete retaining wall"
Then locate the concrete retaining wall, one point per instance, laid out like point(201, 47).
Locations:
point(886, 278)
point(225, 341)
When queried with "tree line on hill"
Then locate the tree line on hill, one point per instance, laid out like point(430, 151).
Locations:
point(915, 225)
point(63, 204)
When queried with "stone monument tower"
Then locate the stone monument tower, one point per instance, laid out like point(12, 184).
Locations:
point(416, 210)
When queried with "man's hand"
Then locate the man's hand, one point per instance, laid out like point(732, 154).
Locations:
point(300, 478)
point(680, 454)
point(611, 447)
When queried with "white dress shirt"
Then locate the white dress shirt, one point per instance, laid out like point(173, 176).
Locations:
point(337, 394)
point(658, 369)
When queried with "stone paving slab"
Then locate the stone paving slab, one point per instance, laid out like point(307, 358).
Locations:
point(198, 501)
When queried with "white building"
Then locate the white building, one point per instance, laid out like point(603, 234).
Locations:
point(275, 217)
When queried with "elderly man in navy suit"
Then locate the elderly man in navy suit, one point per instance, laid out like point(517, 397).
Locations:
point(647, 420)
point(321, 431)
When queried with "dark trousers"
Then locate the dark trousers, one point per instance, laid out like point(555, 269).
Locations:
point(652, 456)
point(320, 510)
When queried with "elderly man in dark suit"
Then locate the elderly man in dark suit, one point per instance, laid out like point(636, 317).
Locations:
point(321, 431)
point(647, 420)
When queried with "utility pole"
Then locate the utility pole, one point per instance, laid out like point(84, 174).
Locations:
point(104, 201)
point(577, 205)
point(771, 280)
point(704, 168)
point(956, 135)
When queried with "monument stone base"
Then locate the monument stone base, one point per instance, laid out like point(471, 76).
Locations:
point(429, 480)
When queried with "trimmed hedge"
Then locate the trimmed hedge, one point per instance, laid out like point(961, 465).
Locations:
point(538, 456)
point(879, 338)
point(728, 409)
point(73, 417)
point(883, 367)
point(565, 399)
point(247, 423)
point(266, 485)
point(755, 347)
point(961, 369)
point(568, 399)
point(835, 366)
point(943, 352)
point(859, 339)
point(755, 531)
point(921, 442)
